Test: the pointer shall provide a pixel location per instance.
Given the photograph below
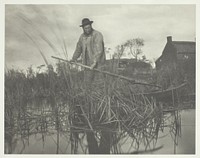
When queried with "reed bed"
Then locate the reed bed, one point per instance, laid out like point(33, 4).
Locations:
point(59, 101)
point(111, 105)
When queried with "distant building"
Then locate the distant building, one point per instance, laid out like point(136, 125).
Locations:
point(177, 63)
point(130, 67)
point(177, 52)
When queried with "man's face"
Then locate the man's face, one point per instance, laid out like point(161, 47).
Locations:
point(87, 29)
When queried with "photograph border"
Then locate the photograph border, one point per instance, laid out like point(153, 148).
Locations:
point(2, 48)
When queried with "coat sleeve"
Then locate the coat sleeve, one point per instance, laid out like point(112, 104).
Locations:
point(98, 47)
point(78, 50)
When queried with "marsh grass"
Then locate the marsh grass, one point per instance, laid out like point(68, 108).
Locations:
point(59, 101)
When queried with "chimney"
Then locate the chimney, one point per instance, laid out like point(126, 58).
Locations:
point(169, 38)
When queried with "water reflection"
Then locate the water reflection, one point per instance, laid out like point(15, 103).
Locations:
point(45, 129)
point(181, 140)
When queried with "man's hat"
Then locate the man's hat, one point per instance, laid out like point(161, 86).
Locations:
point(85, 22)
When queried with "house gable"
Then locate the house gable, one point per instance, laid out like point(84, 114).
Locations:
point(168, 55)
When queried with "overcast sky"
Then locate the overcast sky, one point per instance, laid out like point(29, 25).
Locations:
point(117, 23)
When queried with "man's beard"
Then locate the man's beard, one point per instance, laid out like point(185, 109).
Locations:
point(88, 32)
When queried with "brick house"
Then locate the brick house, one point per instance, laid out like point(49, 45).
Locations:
point(175, 52)
point(180, 56)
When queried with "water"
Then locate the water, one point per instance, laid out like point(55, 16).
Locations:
point(177, 137)
point(173, 139)
point(186, 140)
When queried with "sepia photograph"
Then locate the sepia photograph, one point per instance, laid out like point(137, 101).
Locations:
point(100, 79)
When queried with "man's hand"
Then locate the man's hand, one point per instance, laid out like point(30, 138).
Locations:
point(93, 65)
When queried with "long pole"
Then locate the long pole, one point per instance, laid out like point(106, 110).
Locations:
point(107, 73)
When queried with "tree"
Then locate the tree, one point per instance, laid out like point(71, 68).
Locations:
point(134, 47)
point(119, 51)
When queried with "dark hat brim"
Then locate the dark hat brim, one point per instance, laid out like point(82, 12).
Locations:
point(87, 23)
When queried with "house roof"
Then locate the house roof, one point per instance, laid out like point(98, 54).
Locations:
point(184, 46)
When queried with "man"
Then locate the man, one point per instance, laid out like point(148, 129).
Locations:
point(90, 47)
